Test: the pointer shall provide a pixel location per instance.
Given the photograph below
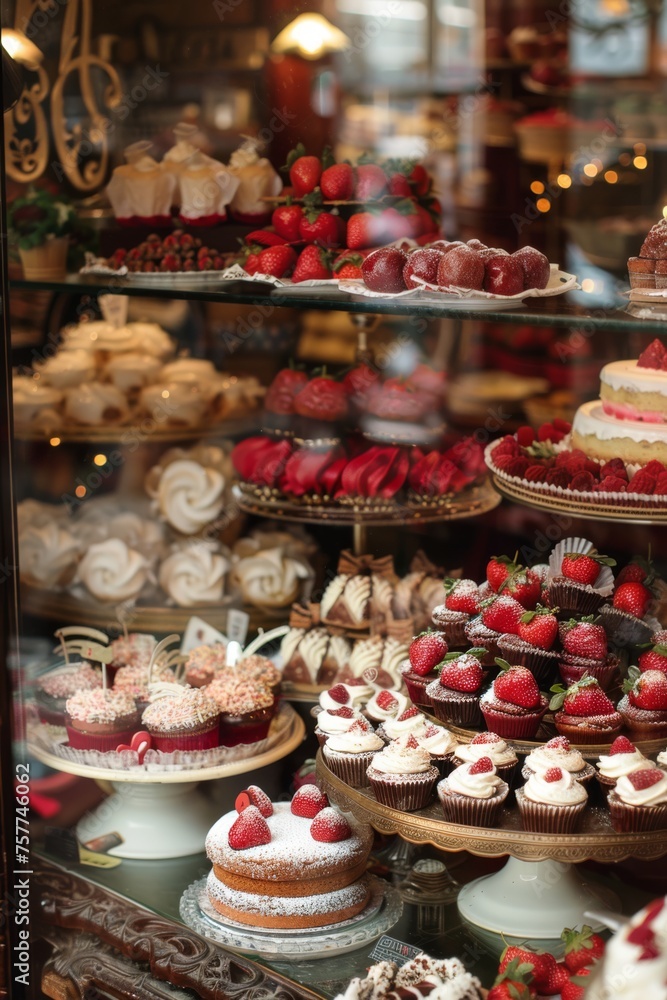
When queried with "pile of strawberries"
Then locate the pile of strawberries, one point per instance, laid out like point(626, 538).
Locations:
point(530, 456)
point(336, 213)
point(524, 974)
point(254, 807)
point(176, 252)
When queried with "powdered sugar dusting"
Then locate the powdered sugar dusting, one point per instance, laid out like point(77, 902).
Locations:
point(287, 906)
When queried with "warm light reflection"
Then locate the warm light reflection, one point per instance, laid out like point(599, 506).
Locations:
point(100, 459)
point(543, 204)
point(310, 36)
point(588, 285)
point(625, 159)
point(80, 491)
point(54, 442)
point(165, 393)
point(640, 162)
point(564, 180)
point(21, 49)
point(611, 176)
point(639, 147)
point(590, 170)
point(537, 187)
point(664, 211)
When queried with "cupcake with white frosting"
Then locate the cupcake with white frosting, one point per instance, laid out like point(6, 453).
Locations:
point(335, 721)
point(622, 759)
point(349, 754)
point(409, 721)
point(638, 801)
point(34, 403)
point(344, 694)
point(491, 745)
point(402, 775)
point(441, 745)
point(552, 801)
point(129, 372)
point(558, 752)
point(473, 794)
point(66, 368)
point(386, 705)
point(661, 760)
point(96, 404)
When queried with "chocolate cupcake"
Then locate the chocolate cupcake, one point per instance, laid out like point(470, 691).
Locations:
point(100, 719)
point(416, 684)
point(622, 759)
point(542, 663)
point(573, 668)
point(480, 636)
point(573, 598)
point(402, 775)
point(441, 745)
point(203, 663)
point(624, 629)
point(644, 706)
point(335, 722)
point(552, 802)
point(473, 794)
point(452, 623)
point(638, 802)
point(513, 707)
point(462, 601)
point(558, 752)
point(455, 695)
point(584, 713)
point(503, 758)
point(54, 688)
point(349, 754)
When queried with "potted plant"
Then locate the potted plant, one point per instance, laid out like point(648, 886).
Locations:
point(40, 224)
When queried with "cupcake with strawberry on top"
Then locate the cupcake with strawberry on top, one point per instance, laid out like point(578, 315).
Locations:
point(584, 713)
point(462, 602)
point(500, 616)
point(585, 651)
point(402, 775)
point(580, 578)
point(490, 745)
point(349, 754)
point(513, 707)
point(455, 695)
point(385, 704)
point(558, 752)
point(335, 721)
point(441, 745)
point(320, 406)
point(532, 646)
point(551, 801)
point(654, 656)
point(473, 794)
point(644, 704)
point(426, 652)
point(638, 801)
point(627, 619)
point(623, 758)
point(409, 721)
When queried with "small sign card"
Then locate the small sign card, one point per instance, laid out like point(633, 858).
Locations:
point(389, 949)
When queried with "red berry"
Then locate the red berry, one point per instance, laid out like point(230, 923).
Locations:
point(654, 356)
point(654, 658)
point(553, 774)
point(559, 743)
point(584, 638)
point(386, 701)
point(483, 739)
point(254, 796)
point(481, 766)
point(524, 586)
point(329, 826)
point(409, 713)
point(517, 686)
point(649, 691)
point(621, 745)
point(308, 801)
point(250, 829)
point(525, 436)
point(633, 598)
point(539, 628)
point(583, 567)
point(585, 698)
point(498, 569)
point(411, 742)
point(582, 948)
point(462, 673)
point(339, 693)
point(502, 614)
point(426, 651)
point(462, 595)
point(343, 713)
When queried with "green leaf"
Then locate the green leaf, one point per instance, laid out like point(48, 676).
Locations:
point(503, 664)
point(328, 159)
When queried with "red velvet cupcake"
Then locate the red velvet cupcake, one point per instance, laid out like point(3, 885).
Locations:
point(100, 719)
point(246, 709)
point(54, 688)
point(584, 713)
point(513, 706)
point(203, 663)
point(455, 695)
point(426, 652)
point(187, 721)
point(644, 706)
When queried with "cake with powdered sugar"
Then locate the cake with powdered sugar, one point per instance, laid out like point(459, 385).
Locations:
point(287, 864)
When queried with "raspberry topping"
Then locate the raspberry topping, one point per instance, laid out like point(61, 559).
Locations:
point(409, 713)
point(329, 827)
point(411, 742)
point(343, 713)
point(385, 700)
point(646, 778)
point(621, 745)
point(249, 830)
point(339, 694)
point(481, 766)
point(553, 774)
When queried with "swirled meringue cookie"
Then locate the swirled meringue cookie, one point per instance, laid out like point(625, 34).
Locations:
point(66, 368)
point(174, 404)
point(34, 512)
point(194, 574)
point(48, 556)
point(33, 401)
point(271, 579)
point(190, 496)
point(95, 403)
point(151, 339)
point(130, 372)
point(112, 572)
point(140, 533)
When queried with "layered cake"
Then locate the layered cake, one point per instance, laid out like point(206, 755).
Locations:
point(287, 864)
point(629, 419)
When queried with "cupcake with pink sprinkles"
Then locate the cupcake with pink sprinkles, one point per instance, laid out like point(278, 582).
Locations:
point(246, 709)
point(53, 690)
point(100, 719)
point(187, 721)
point(203, 663)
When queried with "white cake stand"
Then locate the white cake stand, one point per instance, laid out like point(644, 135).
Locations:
point(161, 813)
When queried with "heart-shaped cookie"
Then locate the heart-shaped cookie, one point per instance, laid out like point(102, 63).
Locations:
point(140, 743)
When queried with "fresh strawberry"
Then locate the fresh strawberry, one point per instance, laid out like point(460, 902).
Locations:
point(322, 398)
point(308, 801)
point(585, 698)
point(644, 779)
point(304, 171)
point(348, 265)
point(654, 356)
point(462, 672)
point(382, 270)
point(485, 739)
point(462, 595)
point(514, 982)
point(365, 229)
point(285, 387)
point(584, 638)
point(634, 598)
point(481, 766)
point(539, 627)
point(339, 693)
point(585, 567)
point(547, 975)
point(386, 701)
point(516, 685)
point(249, 829)
point(582, 948)
point(251, 262)
point(647, 690)
point(314, 263)
point(265, 238)
point(278, 261)
point(409, 713)
point(654, 658)
point(621, 745)
point(318, 226)
point(502, 614)
point(254, 796)
point(575, 989)
point(524, 586)
point(420, 179)
point(370, 182)
point(342, 713)
point(329, 827)
point(525, 436)
point(399, 185)
point(638, 570)
point(426, 651)
point(498, 569)
point(286, 219)
point(337, 182)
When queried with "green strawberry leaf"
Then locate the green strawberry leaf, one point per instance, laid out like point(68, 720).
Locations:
point(503, 664)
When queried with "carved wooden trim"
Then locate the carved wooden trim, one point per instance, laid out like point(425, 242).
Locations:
point(172, 952)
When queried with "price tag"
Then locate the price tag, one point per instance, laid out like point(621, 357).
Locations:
point(114, 309)
point(237, 625)
point(200, 633)
point(389, 949)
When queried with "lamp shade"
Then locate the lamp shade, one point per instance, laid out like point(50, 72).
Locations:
point(310, 36)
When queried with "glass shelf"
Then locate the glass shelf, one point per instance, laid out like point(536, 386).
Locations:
point(560, 311)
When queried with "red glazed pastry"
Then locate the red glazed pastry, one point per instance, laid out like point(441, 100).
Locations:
point(261, 460)
point(313, 471)
point(376, 472)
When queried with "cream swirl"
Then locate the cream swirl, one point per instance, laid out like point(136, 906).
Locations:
point(151, 339)
point(481, 785)
point(113, 572)
point(437, 740)
point(566, 791)
point(618, 764)
point(67, 368)
point(130, 372)
point(331, 704)
point(542, 758)
point(48, 555)
point(331, 594)
point(358, 692)
point(415, 725)
point(331, 724)
point(357, 595)
point(190, 496)
point(394, 704)
point(270, 579)
point(354, 742)
point(401, 759)
point(497, 750)
point(662, 759)
point(194, 574)
point(654, 795)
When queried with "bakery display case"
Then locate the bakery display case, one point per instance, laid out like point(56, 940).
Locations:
point(334, 362)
